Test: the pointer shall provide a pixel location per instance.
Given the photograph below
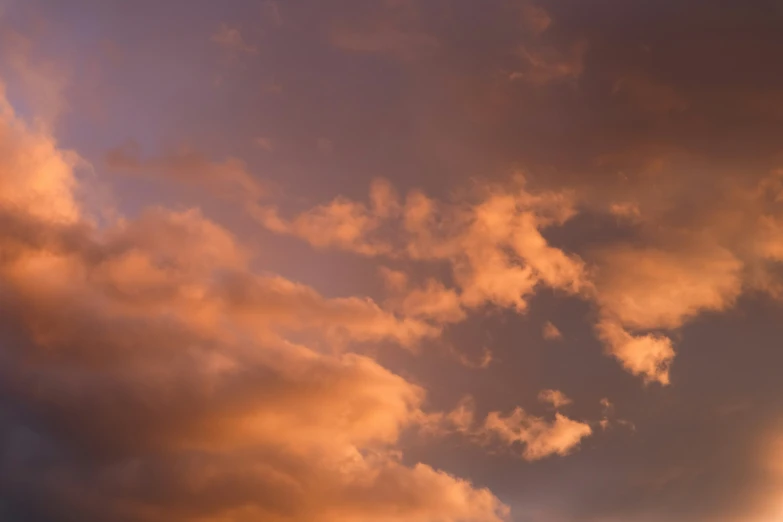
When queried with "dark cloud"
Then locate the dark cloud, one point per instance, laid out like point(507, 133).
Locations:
point(153, 366)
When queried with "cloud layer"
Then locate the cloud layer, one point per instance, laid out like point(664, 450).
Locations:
point(390, 260)
point(147, 350)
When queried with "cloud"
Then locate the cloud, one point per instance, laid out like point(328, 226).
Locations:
point(494, 246)
point(342, 223)
point(264, 143)
point(626, 211)
point(535, 18)
point(228, 178)
point(656, 288)
point(393, 280)
point(392, 30)
point(550, 332)
point(34, 174)
point(230, 39)
point(649, 356)
point(555, 398)
point(272, 10)
point(41, 83)
point(384, 40)
point(544, 66)
point(152, 376)
point(648, 288)
point(433, 301)
point(541, 439)
point(460, 420)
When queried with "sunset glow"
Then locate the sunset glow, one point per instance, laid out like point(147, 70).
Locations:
point(391, 261)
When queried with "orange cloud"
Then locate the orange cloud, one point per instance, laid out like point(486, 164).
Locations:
point(550, 332)
point(495, 246)
point(195, 385)
point(433, 301)
point(541, 438)
point(656, 288)
point(649, 356)
point(555, 398)
point(34, 175)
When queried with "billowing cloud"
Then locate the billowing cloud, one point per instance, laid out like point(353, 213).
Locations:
point(641, 289)
point(655, 288)
point(35, 176)
point(541, 439)
point(434, 301)
point(495, 246)
point(182, 379)
point(649, 356)
point(249, 353)
point(341, 223)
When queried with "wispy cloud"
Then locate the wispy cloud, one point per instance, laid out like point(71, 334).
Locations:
point(230, 39)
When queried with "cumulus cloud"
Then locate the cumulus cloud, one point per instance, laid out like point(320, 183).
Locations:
point(555, 398)
point(541, 439)
point(434, 301)
point(538, 437)
point(494, 243)
point(649, 356)
point(34, 174)
point(340, 223)
point(186, 386)
point(658, 288)
point(495, 246)
point(640, 289)
point(499, 256)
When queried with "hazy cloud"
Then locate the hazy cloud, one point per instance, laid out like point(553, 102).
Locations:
point(550, 332)
point(230, 39)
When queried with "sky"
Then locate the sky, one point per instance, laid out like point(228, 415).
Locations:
point(391, 261)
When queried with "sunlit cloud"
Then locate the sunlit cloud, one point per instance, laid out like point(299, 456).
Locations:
point(392, 261)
